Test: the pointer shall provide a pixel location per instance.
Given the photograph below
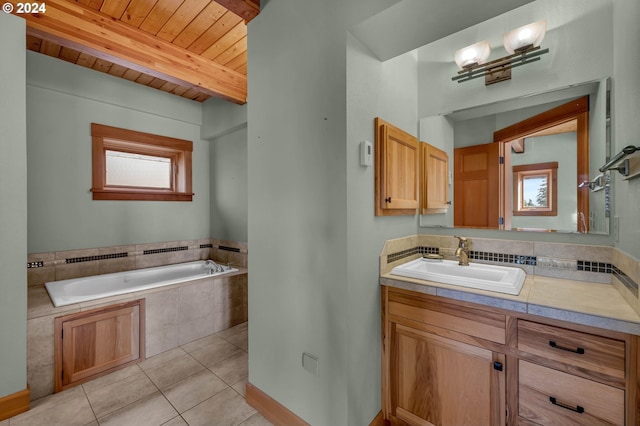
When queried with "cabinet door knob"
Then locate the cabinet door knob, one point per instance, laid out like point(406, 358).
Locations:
point(387, 200)
point(579, 351)
point(497, 366)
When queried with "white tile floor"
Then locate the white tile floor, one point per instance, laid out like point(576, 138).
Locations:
point(200, 383)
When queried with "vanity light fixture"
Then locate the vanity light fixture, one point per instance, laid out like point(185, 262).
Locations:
point(522, 44)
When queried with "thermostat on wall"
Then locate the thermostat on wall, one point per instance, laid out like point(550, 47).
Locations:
point(366, 153)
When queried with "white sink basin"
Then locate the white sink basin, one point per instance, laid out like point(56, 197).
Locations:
point(502, 279)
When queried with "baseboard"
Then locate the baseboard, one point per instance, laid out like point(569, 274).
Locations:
point(378, 420)
point(14, 404)
point(271, 409)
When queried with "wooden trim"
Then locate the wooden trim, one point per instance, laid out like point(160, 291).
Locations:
point(178, 150)
point(578, 110)
point(378, 420)
point(73, 25)
point(550, 170)
point(246, 9)
point(15, 403)
point(115, 194)
point(582, 133)
point(271, 409)
point(553, 117)
point(175, 144)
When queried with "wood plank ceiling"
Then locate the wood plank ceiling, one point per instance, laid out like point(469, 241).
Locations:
point(191, 48)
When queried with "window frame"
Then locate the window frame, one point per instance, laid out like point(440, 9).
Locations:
point(106, 138)
point(550, 170)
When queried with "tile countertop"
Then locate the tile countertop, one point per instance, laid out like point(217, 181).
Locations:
point(592, 304)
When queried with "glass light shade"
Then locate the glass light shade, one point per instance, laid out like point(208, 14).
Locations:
point(475, 54)
point(528, 35)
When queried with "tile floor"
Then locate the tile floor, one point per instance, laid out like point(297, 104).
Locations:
point(200, 383)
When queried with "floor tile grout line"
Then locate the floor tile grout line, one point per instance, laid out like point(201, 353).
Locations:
point(95, 416)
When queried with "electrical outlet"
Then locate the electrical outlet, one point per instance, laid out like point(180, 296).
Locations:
point(310, 363)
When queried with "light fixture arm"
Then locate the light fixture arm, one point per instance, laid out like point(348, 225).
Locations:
point(498, 66)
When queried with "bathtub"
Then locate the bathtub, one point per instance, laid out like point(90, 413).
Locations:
point(67, 292)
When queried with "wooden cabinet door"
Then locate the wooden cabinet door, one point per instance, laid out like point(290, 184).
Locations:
point(434, 179)
point(476, 186)
point(396, 170)
point(443, 382)
point(94, 342)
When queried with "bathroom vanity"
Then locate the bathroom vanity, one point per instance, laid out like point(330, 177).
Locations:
point(452, 362)
point(559, 351)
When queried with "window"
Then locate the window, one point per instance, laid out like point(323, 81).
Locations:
point(535, 189)
point(130, 165)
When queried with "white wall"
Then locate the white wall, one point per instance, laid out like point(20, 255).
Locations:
point(224, 125)
point(297, 220)
point(626, 95)
point(228, 163)
point(574, 27)
point(66, 99)
point(13, 207)
point(313, 281)
point(374, 89)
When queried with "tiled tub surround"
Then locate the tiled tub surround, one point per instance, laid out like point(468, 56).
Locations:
point(62, 265)
point(175, 314)
point(561, 283)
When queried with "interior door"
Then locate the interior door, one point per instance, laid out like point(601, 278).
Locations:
point(476, 186)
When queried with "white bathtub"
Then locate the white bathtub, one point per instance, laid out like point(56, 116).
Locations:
point(67, 292)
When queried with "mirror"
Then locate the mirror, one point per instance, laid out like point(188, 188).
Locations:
point(582, 199)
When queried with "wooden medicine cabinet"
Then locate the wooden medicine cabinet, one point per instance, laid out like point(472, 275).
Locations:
point(410, 176)
point(434, 177)
point(396, 170)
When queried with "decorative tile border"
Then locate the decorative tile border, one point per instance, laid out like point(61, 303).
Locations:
point(392, 257)
point(503, 258)
point(165, 250)
point(91, 258)
point(605, 268)
point(227, 248)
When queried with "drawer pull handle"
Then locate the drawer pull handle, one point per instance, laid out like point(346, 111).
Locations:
point(579, 351)
point(577, 409)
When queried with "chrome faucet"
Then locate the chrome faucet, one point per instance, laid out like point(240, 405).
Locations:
point(212, 267)
point(463, 251)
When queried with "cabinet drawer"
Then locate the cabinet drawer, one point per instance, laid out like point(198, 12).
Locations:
point(579, 350)
point(551, 397)
point(472, 322)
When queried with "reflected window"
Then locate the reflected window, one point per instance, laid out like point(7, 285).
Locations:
point(535, 189)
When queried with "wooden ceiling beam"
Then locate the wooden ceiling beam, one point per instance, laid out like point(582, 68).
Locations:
point(73, 25)
point(246, 9)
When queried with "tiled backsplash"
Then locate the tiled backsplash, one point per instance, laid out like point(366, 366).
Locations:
point(60, 265)
point(597, 264)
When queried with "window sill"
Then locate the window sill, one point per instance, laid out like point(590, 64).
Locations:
point(130, 194)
